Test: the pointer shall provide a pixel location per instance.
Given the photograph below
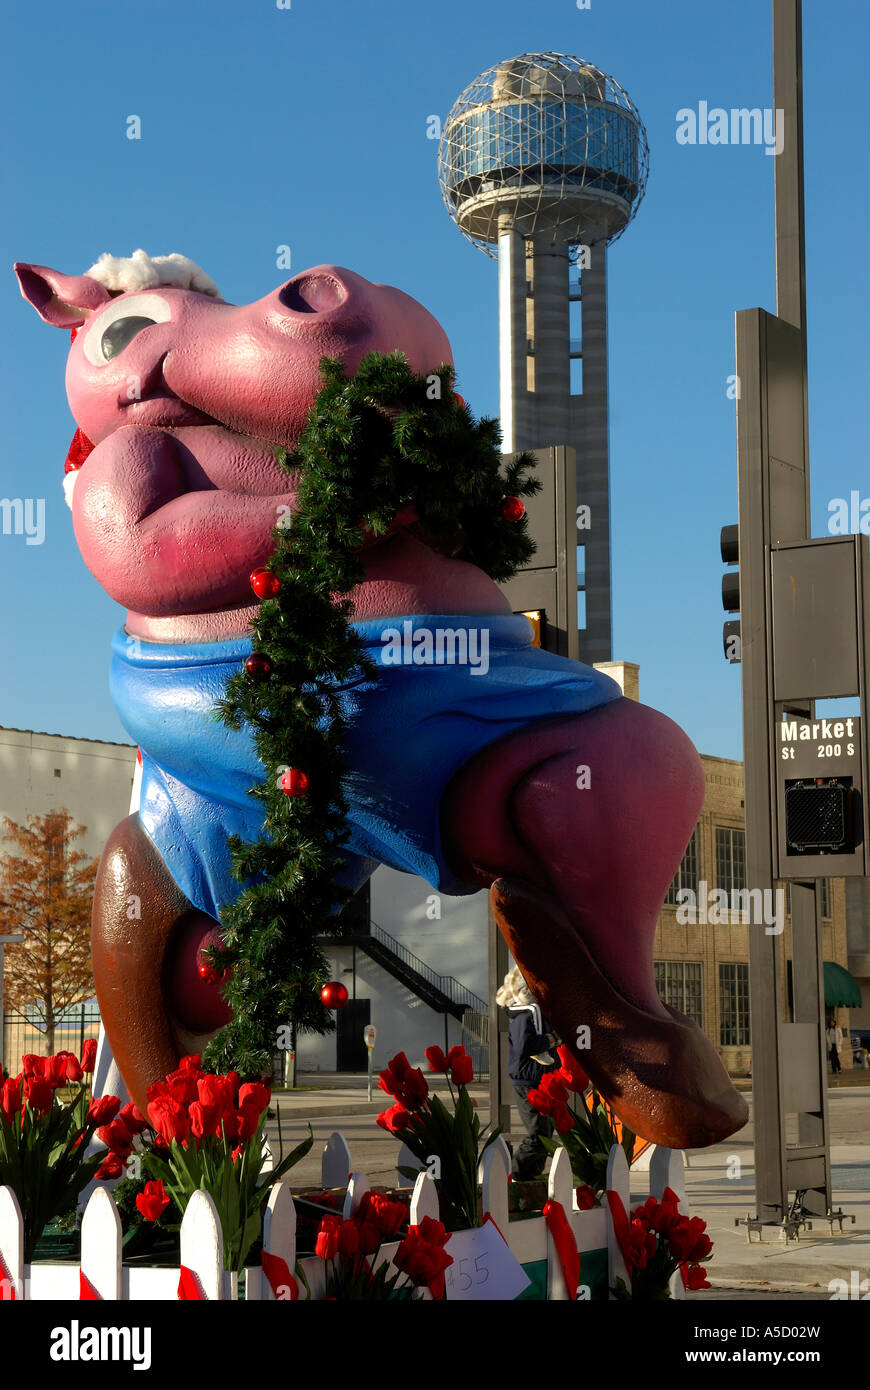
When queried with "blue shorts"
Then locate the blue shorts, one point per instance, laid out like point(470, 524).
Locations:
point(447, 687)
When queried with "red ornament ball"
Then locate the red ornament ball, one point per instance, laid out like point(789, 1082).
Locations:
point(264, 583)
point(460, 401)
point(334, 995)
point(258, 665)
point(208, 974)
point(513, 509)
point(294, 782)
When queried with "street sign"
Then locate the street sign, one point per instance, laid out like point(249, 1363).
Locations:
point(369, 1035)
point(819, 786)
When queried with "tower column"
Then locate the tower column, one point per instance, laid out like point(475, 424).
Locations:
point(514, 401)
point(550, 342)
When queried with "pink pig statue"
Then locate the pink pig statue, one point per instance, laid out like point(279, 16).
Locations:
point(183, 397)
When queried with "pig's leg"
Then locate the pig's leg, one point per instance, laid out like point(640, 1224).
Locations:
point(579, 826)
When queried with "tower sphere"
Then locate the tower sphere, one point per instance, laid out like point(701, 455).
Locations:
point(543, 143)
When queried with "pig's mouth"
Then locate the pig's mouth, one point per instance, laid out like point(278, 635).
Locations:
point(165, 410)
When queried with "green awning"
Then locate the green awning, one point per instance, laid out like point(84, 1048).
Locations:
point(841, 988)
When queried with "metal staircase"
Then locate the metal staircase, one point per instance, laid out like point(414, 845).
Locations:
point(443, 993)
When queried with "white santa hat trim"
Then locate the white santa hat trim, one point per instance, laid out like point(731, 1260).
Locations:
point(122, 274)
point(69, 482)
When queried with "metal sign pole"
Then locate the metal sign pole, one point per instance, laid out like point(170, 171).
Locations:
point(788, 1059)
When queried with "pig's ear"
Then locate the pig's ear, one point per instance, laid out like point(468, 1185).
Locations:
point(62, 300)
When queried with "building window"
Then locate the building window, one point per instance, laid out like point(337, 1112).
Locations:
point(824, 895)
point(57, 772)
point(581, 610)
point(730, 859)
point(687, 874)
point(734, 1005)
point(679, 984)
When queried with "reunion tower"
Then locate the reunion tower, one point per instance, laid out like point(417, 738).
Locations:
point(543, 163)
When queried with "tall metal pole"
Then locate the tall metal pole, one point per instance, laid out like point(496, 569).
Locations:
point(788, 1060)
point(788, 97)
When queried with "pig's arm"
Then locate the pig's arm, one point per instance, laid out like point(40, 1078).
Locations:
point(162, 534)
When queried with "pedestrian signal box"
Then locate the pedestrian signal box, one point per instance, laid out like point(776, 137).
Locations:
point(820, 604)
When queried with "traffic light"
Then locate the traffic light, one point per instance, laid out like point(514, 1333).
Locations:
point(730, 550)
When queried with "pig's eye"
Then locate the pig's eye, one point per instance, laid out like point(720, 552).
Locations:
point(115, 327)
point(121, 332)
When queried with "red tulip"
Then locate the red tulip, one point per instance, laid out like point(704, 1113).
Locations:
point(103, 1110)
point(133, 1118)
point(326, 1244)
point(571, 1072)
point(421, 1254)
point(54, 1071)
point(411, 1090)
point(152, 1201)
point(170, 1119)
point(400, 1066)
point(348, 1239)
point(394, 1120)
point(563, 1119)
point(117, 1137)
point(74, 1069)
point(551, 1095)
point(192, 1063)
point(38, 1093)
point(111, 1167)
point(231, 1123)
point(89, 1054)
point(182, 1086)
point(586, 1198)
point(10, 1099)
point(432, 1231)
point(437, 1060)
point(215, 1090)
point(383, 1213)
point(32, 1065)
point(248, 1117)
point(204, 1119)
point(369, 1237)
point(255, 1094)
point(696, 1278)
point(462, 1071)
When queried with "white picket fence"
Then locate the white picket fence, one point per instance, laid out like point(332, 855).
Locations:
point(202, 1240)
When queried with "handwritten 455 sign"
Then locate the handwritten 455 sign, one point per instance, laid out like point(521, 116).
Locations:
point(484, 1269)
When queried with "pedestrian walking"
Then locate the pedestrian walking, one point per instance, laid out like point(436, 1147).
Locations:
point(531, 1052)
point(834, 1039)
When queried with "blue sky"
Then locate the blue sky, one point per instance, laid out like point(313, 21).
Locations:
point(308, 127)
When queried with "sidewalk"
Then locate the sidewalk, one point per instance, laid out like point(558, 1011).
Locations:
point(320, 1094)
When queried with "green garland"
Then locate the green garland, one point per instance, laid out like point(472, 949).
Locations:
point(384, 440)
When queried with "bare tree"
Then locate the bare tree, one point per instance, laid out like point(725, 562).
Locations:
point(46, 890)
